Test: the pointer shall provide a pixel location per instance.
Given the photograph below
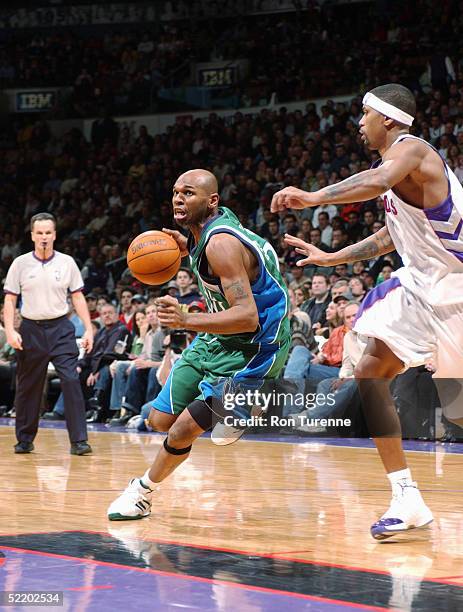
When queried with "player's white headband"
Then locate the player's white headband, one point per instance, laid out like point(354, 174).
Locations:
point(387, 109)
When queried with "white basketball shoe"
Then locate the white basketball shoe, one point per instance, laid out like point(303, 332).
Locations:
point(134, 503)
point(407, 511)
point(223, 435)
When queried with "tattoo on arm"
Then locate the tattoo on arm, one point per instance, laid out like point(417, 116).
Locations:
point(373, 246)
point(363, 250)
point(237, 289)
point(345, 186)
point(362, 186)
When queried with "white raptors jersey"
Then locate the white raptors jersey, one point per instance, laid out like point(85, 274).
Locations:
point(430, 242)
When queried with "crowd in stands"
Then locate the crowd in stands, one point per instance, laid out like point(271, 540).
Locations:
point(324, 50)
point(107, 190)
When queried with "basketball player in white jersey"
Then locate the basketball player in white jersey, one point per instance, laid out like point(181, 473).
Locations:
point(417, 315)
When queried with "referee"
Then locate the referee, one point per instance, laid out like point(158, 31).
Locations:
point(43, 279)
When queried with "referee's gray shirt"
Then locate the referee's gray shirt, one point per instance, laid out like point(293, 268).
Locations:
point(43, 284)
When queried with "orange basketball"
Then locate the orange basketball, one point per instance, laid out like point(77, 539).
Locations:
point(153, 257)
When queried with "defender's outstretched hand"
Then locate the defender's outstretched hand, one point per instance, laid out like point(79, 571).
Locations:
point(292, 197)
point(180, 239)
point(314, 256)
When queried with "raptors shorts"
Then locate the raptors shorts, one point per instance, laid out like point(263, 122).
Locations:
point(415, 331)
point(206, 362)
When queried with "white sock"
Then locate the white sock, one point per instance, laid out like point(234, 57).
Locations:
point(402, 477)
point(147, 482)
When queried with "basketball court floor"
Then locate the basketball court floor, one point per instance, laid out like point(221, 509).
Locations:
point(277, 524)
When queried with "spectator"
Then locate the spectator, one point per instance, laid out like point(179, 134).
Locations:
point(440, 70)
point(328, 361)
point(141, 384)
point(187, 290)
point(316, 240)
point(297, 275)
point(339, 239)
point(144, 325)
point(385, 274)
point(357, 288)
point(369, 217)
point(341, 301)
point(332, 321)
point(128, 308)
point(316, 306)
point(93, 368)
point(330, 209)
point(97, 276)
point(325, 227)
point(303, 346)
point(91, 300)
point(343, 386)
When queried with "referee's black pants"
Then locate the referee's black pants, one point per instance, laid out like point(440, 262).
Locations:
point(44, 341)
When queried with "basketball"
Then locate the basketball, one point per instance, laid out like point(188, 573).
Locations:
point(153, 257)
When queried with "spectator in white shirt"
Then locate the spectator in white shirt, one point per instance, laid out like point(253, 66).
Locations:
point(325, 227)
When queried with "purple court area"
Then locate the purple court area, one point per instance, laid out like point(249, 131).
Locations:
point(89, 585)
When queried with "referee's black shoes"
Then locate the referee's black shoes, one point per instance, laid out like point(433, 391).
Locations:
point(23, 447)
point(81, 448)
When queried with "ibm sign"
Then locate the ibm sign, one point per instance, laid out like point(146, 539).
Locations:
point(35, 101)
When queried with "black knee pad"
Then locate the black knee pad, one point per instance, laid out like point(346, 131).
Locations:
point(176, 451)
point(201, 413)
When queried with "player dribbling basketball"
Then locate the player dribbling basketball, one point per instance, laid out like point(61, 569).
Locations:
point(245, 336)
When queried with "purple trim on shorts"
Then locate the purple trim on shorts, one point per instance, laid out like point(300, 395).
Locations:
point(441, 212)
point(376, 294)
point(7, 292)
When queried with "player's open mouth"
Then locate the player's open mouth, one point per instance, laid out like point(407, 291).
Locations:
point(179, 214)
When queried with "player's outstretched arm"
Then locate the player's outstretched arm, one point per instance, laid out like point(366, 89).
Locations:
point(226, 256)
point(398, 163)
point(373, 246)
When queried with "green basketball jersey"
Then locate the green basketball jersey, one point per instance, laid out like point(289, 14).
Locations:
point(269, 290)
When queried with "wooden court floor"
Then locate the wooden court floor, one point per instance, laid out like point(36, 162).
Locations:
point(304, 505)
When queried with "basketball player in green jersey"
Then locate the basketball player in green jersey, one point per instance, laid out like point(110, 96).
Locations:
point(244, 337)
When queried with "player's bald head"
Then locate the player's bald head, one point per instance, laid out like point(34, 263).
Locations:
point(201, 178)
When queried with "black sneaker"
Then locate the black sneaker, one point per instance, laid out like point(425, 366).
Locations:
point(122, 420)
point(96, 401)
point(23, 447)
point(94, 416)
point(80, 448)
point(52, 416)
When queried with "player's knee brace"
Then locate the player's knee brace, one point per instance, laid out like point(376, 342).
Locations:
point(176, 451)
point(202, 414)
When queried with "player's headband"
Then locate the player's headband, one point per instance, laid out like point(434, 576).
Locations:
point(387, 109)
